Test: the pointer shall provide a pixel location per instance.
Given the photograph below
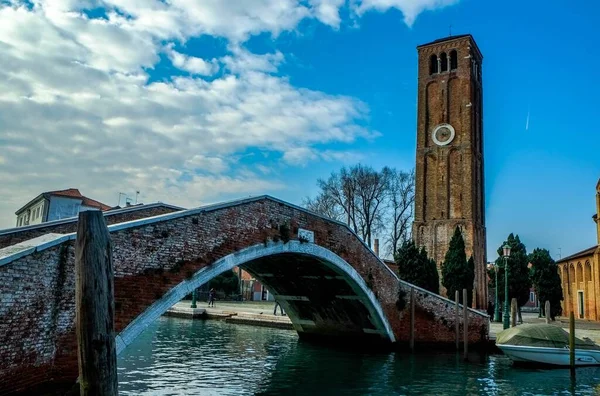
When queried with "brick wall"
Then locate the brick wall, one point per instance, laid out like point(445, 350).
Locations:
point(38, 302)
point(67, 226)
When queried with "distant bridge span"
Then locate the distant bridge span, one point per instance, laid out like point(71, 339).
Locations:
point(329, 282)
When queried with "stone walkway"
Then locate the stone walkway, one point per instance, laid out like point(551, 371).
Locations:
point(258, 313)
point(261, 313)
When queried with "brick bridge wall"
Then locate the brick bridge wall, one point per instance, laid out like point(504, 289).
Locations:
point(152, 256)
point(16, 235)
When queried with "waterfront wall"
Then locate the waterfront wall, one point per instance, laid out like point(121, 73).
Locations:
point(156, 260)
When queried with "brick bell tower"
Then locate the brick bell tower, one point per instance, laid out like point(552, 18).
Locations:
point(449, 169)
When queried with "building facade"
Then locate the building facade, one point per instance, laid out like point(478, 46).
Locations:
point(580, 277)
point(449, 189)
point(56, 205)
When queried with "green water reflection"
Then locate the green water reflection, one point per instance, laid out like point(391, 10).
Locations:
point(182, 357)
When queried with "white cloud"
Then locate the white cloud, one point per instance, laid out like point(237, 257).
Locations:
point(241, 61)
point(192, 64)
point(206, 164)
point(77, 109)
point(409, 8)
point(328, 11)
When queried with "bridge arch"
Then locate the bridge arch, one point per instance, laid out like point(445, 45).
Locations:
point(246, 258)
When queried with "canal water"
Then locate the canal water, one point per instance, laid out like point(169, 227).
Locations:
point(193, 357)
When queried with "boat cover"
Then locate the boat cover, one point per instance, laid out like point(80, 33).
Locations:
point(541, 335)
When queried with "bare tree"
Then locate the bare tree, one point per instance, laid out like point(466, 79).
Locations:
point(324, 205)
point(371, 202)
point(357, 195)
point(340, 189)
point(400, 209)
point(371, 192)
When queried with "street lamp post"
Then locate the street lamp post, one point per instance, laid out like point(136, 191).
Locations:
point(194, 299)
point(496, 305)
point(505, 314)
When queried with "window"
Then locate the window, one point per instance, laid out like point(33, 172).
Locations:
point(453, 60)
point(531, 296)
point(444, 61)
point(433, 64)
point(37, 212)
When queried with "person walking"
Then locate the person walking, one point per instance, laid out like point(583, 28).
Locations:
point(211, 297)
point(280, 309)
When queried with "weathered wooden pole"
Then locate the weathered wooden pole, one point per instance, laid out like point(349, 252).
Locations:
point(547, 311)
point(513, 312)
point(572, 340)
point(465, 326)
point(457, 319)
point(412, 319)
point(95, 307)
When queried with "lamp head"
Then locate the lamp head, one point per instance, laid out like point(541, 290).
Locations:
point(506, 250)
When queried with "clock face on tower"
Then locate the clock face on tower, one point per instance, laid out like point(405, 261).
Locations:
point(443, 134)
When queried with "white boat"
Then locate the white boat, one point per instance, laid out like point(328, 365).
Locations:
point(553, 356)
point(545, 344)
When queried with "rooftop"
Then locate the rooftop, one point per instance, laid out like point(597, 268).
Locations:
point(583, 253)
point(69, 193)
point(112, 211)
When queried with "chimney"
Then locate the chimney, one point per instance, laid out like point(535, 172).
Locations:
point(376, 247)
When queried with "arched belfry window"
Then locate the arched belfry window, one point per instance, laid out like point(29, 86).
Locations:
point(453, 60)
point(433, 64)
point(444, 62)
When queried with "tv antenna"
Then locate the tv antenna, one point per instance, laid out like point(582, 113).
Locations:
point(119, 203)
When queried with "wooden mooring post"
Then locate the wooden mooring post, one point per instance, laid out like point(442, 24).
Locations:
point(95, 307)
point(513, 312)
point(412, 318)
point(457, 319)
point(572, 341)
point(465, 325)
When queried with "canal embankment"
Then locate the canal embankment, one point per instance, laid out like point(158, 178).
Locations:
point(260, 313)
point(255, 313)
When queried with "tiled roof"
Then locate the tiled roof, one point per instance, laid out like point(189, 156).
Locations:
point(74, 193)
point(441, 40)
point(586, 252)
point(69, 193)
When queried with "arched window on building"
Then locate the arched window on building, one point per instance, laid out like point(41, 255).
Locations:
point(433, 64)
point(453, 60)
point(444, 62)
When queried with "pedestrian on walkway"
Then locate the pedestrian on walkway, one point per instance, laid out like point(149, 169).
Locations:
point(211, 297)
point(280, 309)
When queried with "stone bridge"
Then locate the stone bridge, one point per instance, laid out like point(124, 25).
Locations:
point(328, 280)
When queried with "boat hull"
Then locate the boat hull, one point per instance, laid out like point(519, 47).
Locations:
point(550, 356)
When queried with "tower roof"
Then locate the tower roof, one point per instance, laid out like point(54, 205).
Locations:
point(451, 38)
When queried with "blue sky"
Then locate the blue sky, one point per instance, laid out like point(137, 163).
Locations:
point(210, 102)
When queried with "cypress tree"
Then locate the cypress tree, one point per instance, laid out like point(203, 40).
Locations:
point(457, 273)
point(546, 281)
point(519, 281)
point(414, 267)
